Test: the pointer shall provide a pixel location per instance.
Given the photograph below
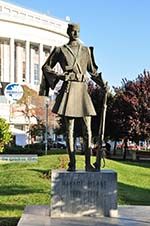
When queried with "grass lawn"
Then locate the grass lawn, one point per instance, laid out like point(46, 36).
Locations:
point(24, 184)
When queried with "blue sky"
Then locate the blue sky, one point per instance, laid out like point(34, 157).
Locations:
point(118, 30)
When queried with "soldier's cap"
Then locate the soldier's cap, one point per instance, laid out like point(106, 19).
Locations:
point(74, 26)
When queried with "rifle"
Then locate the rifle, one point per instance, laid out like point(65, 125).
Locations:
point(100, 152)
point(98, 79)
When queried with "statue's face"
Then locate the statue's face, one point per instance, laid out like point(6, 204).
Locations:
point(74, 33)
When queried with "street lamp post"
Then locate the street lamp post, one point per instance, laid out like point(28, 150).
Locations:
point(46, 125)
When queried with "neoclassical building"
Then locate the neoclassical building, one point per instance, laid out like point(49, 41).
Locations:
point(26, 39)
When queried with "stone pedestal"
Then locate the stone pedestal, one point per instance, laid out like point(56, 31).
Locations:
point(80, 193)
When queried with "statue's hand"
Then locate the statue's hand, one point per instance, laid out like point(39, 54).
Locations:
point(55, 74)
point(48, 70)
point(67, 76)
point(97, 77)
point(64, 76)
point(105, 86)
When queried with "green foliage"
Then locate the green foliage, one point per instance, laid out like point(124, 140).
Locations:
point(5, 134)
point(37, 129)
point(37, 148)
point(129, 111)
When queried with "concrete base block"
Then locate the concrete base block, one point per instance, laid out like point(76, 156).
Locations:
point(81, 193)
point(127, 216)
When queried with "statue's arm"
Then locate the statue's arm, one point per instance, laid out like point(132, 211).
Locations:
point(93, 70)
point(49, 76)
point(51, 61)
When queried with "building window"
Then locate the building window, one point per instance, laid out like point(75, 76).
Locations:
point(24, 71)
point(14, 12)
point(46, 54)
point(6, 10)
point(36, 74)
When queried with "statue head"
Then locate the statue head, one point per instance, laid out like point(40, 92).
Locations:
point(73, 31)
point(73, 26)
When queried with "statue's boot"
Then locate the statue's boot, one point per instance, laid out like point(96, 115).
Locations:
point(88, 166)
point(99, 157)
point(72, 163)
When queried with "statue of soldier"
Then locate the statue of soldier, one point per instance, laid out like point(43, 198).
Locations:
point(73, 100)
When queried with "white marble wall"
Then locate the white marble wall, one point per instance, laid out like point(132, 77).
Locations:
point(21, 31)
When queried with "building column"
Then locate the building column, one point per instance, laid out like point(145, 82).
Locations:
point(12, 54)
point(32, 56)
point(41, 60)
point(2, 61)
point(27, 61)
point(6, 60)
point(19, 63)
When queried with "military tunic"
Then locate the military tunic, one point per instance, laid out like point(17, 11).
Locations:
point(73, 99)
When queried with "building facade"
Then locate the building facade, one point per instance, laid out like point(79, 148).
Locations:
point(26, 39)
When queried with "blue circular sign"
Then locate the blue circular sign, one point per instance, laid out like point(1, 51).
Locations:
point(13, 92)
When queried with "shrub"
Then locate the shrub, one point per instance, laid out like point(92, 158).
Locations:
point(5, 134)
point(28, 149)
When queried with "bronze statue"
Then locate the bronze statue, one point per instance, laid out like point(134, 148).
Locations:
point(73, 100)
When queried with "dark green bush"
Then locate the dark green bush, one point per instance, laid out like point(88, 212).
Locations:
point(28, 149)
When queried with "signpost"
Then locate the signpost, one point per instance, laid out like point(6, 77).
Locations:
point(13, 92)
point(46, 125)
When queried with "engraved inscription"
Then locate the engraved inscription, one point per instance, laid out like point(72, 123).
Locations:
point(83, 193)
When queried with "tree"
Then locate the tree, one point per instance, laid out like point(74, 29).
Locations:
point(5, 134)
point(128, 109)
point(37, 129)
point(131, 109)
point(128, 114)
point(34, 106)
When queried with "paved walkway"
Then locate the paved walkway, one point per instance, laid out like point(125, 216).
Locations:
point(128, 216)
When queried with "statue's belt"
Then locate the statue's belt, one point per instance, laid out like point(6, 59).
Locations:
point(72, 76)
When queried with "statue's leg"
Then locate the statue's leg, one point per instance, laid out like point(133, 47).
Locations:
point(87, 135)
point(70, 143)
